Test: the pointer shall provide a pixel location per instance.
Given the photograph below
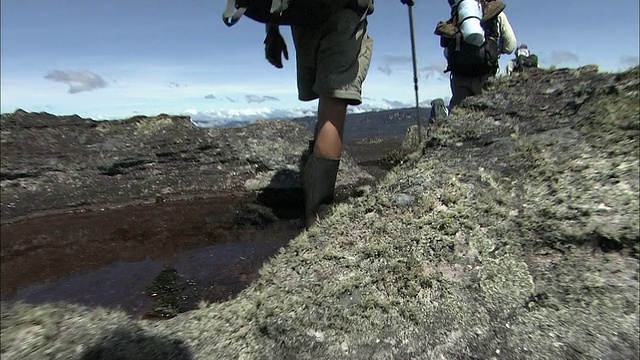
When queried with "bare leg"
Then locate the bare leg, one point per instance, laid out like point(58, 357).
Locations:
point(331, 117)
point(321, 169)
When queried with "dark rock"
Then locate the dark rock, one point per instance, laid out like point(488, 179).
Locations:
point(255, 216)
point(52, 163)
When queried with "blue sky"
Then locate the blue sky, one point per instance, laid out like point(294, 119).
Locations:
point(117, 58)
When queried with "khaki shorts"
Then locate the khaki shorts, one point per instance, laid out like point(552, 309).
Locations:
point(333, 61)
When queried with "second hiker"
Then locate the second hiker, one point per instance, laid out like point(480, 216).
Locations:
point(523, 61)
point(473, 58)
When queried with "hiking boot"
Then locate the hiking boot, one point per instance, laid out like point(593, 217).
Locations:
point(319, 178)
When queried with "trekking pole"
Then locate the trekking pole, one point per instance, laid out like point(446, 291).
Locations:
point(410, 4)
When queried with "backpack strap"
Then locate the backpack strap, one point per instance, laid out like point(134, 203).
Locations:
point(458, 38)
point(234, 11)
point(278, 6)
point(365, 12)
point(491, 9)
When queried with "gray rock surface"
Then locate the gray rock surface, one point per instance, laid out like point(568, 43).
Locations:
point(52, 164)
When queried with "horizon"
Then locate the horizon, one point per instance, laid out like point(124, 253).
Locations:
point(117, 60)
point(207, 123)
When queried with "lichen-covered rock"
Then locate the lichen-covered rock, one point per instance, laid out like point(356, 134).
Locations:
point(513, 234)
point(413, 138)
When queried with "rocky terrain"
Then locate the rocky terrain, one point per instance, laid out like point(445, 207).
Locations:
point(68, 163)
point(79, 196)
point(512, 233)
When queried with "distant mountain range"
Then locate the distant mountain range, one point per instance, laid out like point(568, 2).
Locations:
point(360, 124)
point(385, 123)
point(222, 117)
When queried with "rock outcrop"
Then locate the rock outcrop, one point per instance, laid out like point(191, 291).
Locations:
point(513, 234)
point(53, 164)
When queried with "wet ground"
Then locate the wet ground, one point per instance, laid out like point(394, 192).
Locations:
point(155, 260)
point(108, 258)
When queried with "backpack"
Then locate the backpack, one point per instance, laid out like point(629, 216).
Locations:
point(470, 60)
point(530, 61)
point(310, 13)
point(438, 110)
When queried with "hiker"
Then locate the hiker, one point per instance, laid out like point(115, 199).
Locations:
point(332, 62)
point(473, 42)
point(523, 61)
point(439, 111)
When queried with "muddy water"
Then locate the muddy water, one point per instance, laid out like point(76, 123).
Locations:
point(210, 248)
point(109, 258)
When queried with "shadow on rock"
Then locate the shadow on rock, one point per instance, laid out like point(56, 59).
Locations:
point(134, 344)
point(284, 195)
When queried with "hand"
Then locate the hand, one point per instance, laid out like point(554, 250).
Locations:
point(275, 47)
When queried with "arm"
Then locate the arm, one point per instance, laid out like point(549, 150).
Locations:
point(507, 35)
point(274, 46)
point(272, 29)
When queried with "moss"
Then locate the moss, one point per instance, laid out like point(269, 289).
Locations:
point(152, 125)
point(166, 292)
point(395, 157)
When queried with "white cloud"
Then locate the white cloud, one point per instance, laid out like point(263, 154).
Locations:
point(434, 70)
point(385, 69)
point(391, 61)
point(259, 99)
point(145, 90)
point(376, 106)
point(629, 61)
point(247, 115)
point(226, 116)
point(78, 81)
point(396, 104)
point(558, 57)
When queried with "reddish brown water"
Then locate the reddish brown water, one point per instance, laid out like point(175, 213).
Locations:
point(108, 258)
